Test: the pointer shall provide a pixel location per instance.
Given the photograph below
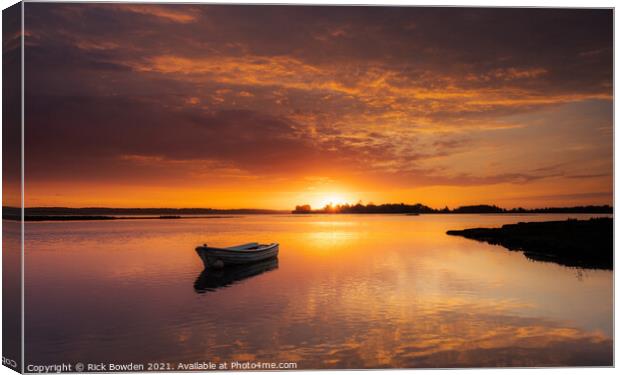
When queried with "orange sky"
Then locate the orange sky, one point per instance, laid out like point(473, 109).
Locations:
point(269, 107)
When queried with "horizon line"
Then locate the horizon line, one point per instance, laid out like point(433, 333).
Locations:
point(286, 209)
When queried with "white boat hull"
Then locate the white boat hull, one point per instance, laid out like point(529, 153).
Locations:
point(214, 257)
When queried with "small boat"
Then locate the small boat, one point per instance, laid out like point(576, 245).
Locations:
point(218, 257)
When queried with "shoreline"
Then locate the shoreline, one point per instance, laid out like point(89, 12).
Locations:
point(572, 243)
point(69, 217)
point(37, 218)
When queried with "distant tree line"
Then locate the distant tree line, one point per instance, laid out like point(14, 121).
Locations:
point(14, 213)
point(418, 208)
point(47, 213)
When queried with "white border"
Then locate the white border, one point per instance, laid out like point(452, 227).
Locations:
point(481, 3)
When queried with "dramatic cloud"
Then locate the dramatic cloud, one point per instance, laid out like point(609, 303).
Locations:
point(367, 97)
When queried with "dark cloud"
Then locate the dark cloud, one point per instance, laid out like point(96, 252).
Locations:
point(89, 132)
point(572, 47)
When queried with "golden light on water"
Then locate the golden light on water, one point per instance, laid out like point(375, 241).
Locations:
point(361, 291)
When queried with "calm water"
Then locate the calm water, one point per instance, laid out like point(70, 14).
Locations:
point(347, 292)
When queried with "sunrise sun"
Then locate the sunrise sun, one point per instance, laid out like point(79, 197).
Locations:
point(333, 199)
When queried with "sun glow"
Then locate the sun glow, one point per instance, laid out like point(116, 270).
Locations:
point(333, 200)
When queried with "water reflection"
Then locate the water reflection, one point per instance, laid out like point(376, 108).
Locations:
point(355, 292)
point(210, 280)
point(475, 337)
point(11, 292)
